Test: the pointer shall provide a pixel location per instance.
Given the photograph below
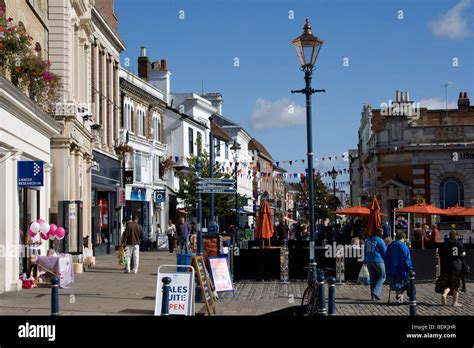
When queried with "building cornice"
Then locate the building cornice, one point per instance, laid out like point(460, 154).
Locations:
point(108, 32)
point(13, 100)
point(132, 90)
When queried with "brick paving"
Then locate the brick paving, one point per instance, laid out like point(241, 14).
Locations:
point(107, 290)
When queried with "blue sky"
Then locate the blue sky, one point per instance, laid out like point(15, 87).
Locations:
point(385, 53)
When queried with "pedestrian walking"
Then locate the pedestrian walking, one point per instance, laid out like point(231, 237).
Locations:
point(183, 232)
point(171, 233)
point(131, 239)
point(374, 259)
point(451, 254)
point(398, 265)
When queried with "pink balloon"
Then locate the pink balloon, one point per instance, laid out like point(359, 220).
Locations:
point(40, 221)
point(60, 233)
point(52, 229)
point(31, 233)
point(44, 236)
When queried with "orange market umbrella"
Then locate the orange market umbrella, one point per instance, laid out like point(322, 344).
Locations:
point(454, 211)
point(466, 212)
point(357, 210)
point(423, 209)
point(375, 219)
point(264, 228)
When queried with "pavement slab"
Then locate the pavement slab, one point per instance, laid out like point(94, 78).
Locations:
point(107, 290)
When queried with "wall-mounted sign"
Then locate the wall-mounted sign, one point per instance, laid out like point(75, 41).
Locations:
point(138, 194)
point(121, 196)
point(159, 196)
point(128, 175)
point(30, 173)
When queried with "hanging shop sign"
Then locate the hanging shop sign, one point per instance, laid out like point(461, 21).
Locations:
point(159, 196)
point(30, 173)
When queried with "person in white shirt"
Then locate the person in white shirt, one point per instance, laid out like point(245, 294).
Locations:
point(171, 232)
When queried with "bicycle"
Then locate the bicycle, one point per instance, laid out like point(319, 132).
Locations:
point(310, 300)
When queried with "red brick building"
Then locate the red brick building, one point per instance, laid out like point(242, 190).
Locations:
point(407, 153)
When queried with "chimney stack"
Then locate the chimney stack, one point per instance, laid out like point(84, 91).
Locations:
point(160, 77)
point(463, 101)
point(144, 65)
point(164, 64)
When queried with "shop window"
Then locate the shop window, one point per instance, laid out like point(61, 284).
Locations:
point(29, 208)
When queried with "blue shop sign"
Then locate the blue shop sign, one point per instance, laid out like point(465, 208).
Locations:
point(159, 196)
point(30, 173)
point(138, 194)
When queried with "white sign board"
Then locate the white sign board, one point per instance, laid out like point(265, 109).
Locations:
point(220, 274)
point(181, 291)
point(162, 241)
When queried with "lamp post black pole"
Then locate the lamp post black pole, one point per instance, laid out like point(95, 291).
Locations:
point(308, 91)
point(212, 228)
point(334, 192)
point(199, 206)
point(236, 200)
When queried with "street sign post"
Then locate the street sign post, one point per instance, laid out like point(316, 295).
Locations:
point(211, 185)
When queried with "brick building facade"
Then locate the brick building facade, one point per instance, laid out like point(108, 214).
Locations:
point(407, 153)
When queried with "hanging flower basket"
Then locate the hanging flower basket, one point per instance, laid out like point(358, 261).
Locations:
point(123, 149)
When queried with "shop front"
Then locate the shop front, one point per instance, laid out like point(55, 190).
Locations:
point(105, 224)
point(139, 204)
point(25, 177)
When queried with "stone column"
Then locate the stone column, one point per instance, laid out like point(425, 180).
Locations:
point(9, 222)
point(95, 82)
point(103, 92)
point(72, 175)
point(110, 104)
point(116, 100)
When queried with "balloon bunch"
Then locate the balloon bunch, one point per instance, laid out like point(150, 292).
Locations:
point(46, 230)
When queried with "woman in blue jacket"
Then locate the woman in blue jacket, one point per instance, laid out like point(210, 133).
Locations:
point(374, 257)
point(398, 265)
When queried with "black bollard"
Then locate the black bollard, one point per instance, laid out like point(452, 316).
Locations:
point(332, 296)
point(322, 301)
point(55, 296)
point(412, 288)
point(165, 302)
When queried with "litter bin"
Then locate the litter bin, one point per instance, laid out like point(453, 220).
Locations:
point(183, 259)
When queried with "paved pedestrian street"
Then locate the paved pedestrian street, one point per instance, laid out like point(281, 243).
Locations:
point(107, 290)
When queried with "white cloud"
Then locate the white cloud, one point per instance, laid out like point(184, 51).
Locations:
point(454, 23)
point(280, 113)
point(437, 103)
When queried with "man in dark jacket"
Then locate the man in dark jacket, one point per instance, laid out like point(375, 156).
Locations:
point(131, 240)
point(183, 234)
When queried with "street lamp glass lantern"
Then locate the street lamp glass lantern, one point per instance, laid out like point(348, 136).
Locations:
point(307, 47)
point(334, 173)
point(235, 148)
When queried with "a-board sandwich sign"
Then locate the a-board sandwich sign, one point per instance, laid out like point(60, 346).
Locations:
point(181, 301)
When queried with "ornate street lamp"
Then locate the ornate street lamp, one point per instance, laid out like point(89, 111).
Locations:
point(307, 48)
point(235, 148)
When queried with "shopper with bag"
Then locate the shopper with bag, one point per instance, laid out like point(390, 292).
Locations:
point(131, 239)
point(374, 257)
point(451, 254)
point(398, 265)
